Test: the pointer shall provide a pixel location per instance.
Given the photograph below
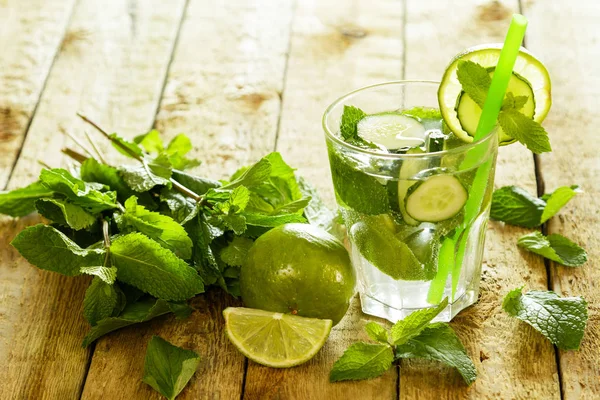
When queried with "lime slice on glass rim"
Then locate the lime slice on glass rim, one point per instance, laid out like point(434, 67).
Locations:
point(530, 78)
point(274, 339)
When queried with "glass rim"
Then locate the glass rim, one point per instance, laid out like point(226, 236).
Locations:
point(329, 134)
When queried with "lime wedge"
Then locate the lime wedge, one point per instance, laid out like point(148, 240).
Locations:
point(274, 339)
point(530, 78)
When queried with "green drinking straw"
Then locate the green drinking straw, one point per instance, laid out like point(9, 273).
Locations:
point(447, 262)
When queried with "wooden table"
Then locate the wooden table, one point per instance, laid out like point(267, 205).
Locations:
point(244, 78)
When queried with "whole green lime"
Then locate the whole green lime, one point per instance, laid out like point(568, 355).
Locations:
point(298, 269)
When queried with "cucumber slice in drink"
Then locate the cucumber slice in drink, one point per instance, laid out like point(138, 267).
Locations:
point(436, 199)
point(530, 78)
point(409, 168)
point(392, 130)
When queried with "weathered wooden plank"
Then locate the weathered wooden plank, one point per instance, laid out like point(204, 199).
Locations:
point(512, 360)
point(30, 35)
point(223, 89)
point(335, 48)
point(567, 38)
point(114, 70)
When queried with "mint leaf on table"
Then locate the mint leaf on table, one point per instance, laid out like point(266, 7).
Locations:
point(106, 274)
point(65, 213)
point(272, 220)
point(362, 361)
point(84, 194)
point(349, 124)
point(145, 264)
point(180, 207)
point(475, 80)
point(316, 212)
point(525, 130)
point(151, 141)
point(140, 311)
point(377, 332)
point(554, 247)
point(515, 206)
point(196, 184)
point(180, 309)
point(20, 202)
point(168, 368)
point(100, 301)
point(204, 261)
point(126, 147)
point(51, 250)
point(557, 200)
point(252, 176)
point(151, 172)
point(414, 324)
point(179, 146)
point(162, 228)
point(236, 251)
point(439, 342)
point(561, 319)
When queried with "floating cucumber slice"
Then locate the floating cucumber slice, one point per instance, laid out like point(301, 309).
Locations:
point(409, 168)
point(469, 112)
point(391, 130)
point(436, 199)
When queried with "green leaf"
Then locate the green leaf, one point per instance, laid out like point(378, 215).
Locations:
point(349, 124)
point(513, 103)
point(202, 255)
point(179, 146)
point(561, 319)
point(51, 250)
point(475, 80)
point(106, 274)
point(196, 184)
point(235, 222)
point(515, 206)
point(377, 332)
point(143, 263)
point(121, 144)
point(65, 213)
point(525, 130)
point(163, 229)
point(20, 202)
point(151, 172)
point(255, 175)
point(133, 313)
point(84, 194)
point(557, 200)
point(99, 302)
point(181, 207)
point(439, 342)
point(151, 141)
point(236, 251)
point(316, 212)
point(554, 247)
point(168, 368)
point(414, 324)
point(182, 310)
point(272, 220)
point(362, 361)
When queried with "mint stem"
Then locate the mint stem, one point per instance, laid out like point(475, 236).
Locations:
point(95, 147)
point(106, 235)
point(74, 154)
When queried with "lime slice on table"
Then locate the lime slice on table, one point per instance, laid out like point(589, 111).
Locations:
point(274, 339)
point(530, 78)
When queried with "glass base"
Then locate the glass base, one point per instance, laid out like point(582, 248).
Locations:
point(376, 308)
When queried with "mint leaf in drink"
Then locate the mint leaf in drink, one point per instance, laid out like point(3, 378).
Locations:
point(515, 206)
point(525, 130)
point(125, 147)
point(51, 250)
point(316, 212)
point(561, 319)
point(20, 202)
point(163, 229)
point(168, 368)
point(106, 274)
point(475, 80)
point(554, 247)
point(512, 102)
point(100, 301)
point(140, 311)
point(414, 324)
point(377, 332)
point(557, 200)
point(236, 251)
point(65, 213)
point(145, 264)
point(362, 361)
point(152, 172)
point(84, 194)
point(349, 124)
point(151, 141)
point(439, 342)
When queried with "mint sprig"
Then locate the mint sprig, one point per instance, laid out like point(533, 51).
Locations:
point(554, 247)
point(562, 320)
point(476, 82)
point(413, 337)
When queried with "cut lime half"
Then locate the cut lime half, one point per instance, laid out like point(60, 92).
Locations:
point(274, 339)
point(530, 78)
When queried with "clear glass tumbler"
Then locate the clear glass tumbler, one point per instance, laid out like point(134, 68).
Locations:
point(404, 264)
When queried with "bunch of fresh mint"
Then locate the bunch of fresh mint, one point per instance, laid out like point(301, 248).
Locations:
point(151, 235)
